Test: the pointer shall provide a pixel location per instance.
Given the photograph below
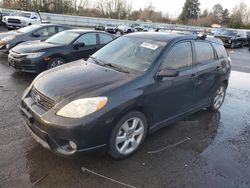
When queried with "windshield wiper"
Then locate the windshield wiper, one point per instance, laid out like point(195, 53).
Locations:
point(118, 68)
point(95, 60)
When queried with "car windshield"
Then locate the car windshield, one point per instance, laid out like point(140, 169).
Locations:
point(134, 54)
point(23, 14)
point(29, 28)
point(229, 32)
point(63, 38)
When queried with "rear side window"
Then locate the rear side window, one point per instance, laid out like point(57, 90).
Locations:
point(104, 39)
point(220, 50)
point(204, 52)
point(61, 29)
point(180, 56)
point(88, 39)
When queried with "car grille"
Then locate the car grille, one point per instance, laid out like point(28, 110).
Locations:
point(42, 100)
point(11, 20)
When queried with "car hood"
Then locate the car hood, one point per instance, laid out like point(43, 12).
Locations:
point(79, 79)
point(10, 33)
point(33, 46)
point(19, 18)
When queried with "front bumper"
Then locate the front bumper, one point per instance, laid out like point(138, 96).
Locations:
point(36, 65)
point(55, 133)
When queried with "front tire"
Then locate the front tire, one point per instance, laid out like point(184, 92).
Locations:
point(218, 98)
point(55, 62)
point(232, 45)
point(128, 135)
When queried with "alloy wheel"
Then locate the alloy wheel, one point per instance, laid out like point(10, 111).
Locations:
point(219, 97)
point(56, 63)
point(130, 135)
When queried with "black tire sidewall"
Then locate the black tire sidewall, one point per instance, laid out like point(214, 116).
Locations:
point(112, 151)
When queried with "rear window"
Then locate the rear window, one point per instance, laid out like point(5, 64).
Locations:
point(204, 52)
point(220, 50)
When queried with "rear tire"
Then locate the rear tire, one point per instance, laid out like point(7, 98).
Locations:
point(128, 135)
point(218, 98)
point(55, 62)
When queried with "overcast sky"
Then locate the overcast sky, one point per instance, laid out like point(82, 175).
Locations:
point(174, 7)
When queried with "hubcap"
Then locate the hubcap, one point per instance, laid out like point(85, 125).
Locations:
point(218, 99)
point(129, 135)
point(56, 63)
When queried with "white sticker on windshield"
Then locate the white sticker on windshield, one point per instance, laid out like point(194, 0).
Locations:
point(149, 46)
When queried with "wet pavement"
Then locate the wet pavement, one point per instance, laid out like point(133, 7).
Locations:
point(216, 153)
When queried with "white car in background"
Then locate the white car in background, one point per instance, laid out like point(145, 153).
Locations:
point(125, 29)
point(21, 19)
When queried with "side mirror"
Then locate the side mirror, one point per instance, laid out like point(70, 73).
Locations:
point(35, 35)
point(168, 72)
point(78, 45)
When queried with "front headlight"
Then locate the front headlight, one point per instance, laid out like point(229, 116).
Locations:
point(6, 39)
point(34, 55)
point(82, 107)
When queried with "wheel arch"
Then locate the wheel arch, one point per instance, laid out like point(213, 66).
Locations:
point(225, 82)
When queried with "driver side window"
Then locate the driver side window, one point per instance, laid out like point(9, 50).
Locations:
point(179, 57)
point(88, 39)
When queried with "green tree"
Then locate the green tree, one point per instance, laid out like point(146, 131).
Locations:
point(217, 11)
point(190, 10)
point(225, 17)
point(204, 13)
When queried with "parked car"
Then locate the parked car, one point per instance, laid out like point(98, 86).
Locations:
point(1, 16)
point(61, 48)
point(34, 32)
point(248, 38)
point(116, 98)
point(111, 28)
point(232, 38)
point(100, 27)
point(125, 29)
point(22, 19)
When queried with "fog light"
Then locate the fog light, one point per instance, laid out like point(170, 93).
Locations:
point(73, 145)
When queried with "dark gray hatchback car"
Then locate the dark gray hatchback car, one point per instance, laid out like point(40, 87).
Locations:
point(116, 98)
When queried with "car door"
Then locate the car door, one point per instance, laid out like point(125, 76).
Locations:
point(173, 96)
point(104, 39)
point(44, 33)
point(208, 72)
point(90, 46)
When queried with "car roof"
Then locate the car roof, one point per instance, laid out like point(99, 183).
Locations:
point(167, 37)
point(81, 31)
point(49, 24)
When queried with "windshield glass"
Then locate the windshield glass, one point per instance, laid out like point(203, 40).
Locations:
point(229, 32)
point(29, 28)
point(131, 53)
point(63, 38)
point(23, 14)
